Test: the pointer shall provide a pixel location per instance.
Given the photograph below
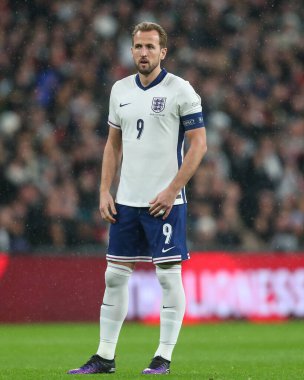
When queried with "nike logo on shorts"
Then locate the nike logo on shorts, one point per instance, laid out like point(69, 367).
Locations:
point(168, 249)
point(123, 104)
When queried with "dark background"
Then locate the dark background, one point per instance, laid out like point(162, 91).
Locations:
point(58, 61)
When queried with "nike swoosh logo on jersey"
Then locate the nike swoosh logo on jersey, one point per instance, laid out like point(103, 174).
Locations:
point(106, 304)
point(123, 104)
point(168, 307)
point(166, 250)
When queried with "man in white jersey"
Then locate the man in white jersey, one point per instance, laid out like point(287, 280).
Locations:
point(150, 113)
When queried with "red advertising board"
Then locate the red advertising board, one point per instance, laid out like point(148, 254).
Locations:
point(43, 289)
point(220, 286)
point(217, 285)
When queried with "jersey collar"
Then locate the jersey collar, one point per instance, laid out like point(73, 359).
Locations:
point(156, 81)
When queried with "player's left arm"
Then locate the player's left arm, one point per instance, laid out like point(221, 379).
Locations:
point(196, 151)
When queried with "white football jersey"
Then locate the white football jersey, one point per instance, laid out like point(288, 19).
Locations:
point(153, 121)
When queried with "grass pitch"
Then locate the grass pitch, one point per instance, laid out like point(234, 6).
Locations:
point(227, 351)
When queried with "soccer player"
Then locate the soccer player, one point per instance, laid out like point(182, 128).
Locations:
point(150, 113)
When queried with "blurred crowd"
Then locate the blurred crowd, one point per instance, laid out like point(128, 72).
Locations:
point(58, 61)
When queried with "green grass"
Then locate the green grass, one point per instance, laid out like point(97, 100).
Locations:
point(228, 351)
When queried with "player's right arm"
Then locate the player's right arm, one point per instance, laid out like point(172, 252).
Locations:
point(110, 163)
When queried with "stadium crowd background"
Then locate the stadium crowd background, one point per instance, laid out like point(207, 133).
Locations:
point(58, 61)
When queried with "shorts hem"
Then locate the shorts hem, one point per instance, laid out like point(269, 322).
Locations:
point(147, 259)
point(168, 259)
point(126, 259)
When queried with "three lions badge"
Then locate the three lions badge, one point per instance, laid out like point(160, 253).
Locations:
point(158, 104)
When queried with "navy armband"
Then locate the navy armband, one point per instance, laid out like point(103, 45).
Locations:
point(192, 121)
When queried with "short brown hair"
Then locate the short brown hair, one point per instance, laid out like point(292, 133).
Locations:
point(147, 27)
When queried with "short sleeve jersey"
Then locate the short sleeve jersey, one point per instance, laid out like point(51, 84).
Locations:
point(153, 121)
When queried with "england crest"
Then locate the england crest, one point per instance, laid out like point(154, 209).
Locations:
point(158, 104)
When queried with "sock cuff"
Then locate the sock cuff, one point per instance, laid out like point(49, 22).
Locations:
point(121, 270)
point(177, 269)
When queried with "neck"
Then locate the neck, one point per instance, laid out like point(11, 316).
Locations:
point(147, 79)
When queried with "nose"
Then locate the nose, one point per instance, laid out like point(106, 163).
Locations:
point(143, 51)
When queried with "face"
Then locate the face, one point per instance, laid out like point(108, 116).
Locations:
point(146, 51)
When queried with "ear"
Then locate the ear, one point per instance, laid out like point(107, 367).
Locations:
point(163, 53)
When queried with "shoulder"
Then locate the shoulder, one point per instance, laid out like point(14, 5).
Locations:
point(187, 100)
point(186, 96)
point(124, 83)
point(177, 82)
point(181, 88)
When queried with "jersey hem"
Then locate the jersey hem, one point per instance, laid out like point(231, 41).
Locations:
point(146, 204)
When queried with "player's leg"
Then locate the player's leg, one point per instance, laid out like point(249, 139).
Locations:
point(171, 316)
point(113, 312)
point(126, 241)
point(114, 306)
point(124, 244)
point(172, 308)
point(169, 249)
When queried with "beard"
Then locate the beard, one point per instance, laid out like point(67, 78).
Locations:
point(147, 69)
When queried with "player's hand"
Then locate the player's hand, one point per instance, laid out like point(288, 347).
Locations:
point(162, 204)
point(107, 207)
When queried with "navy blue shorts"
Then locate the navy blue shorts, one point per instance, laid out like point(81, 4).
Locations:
point(138, 236)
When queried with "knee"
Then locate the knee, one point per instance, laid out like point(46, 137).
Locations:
point(167, 275)
point(112, 280)
point(117, 275)
point(163, 280)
